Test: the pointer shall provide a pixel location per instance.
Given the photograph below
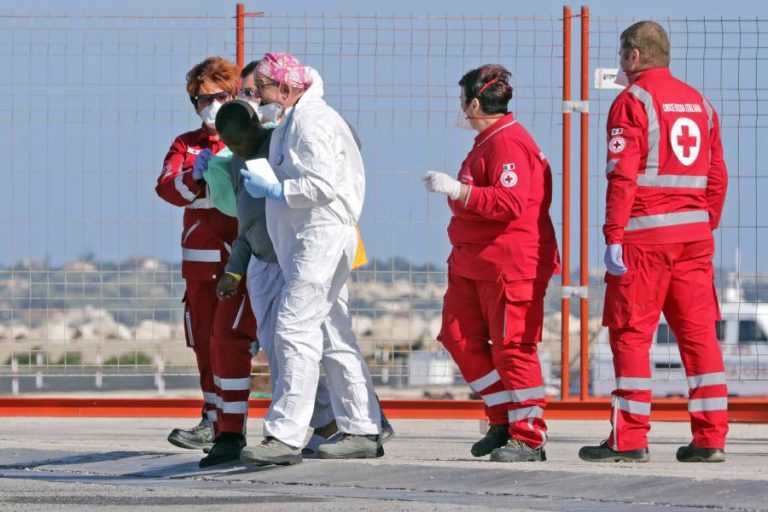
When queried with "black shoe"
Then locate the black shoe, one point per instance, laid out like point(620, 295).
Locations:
point(198, 437)
point(496, 437)
point(518, 451)
point(604, 453)
point(693, 453)
point(227, 448)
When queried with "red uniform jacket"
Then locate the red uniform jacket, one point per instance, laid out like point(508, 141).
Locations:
point(208, 234)
point(504, 231)
point(666, 174)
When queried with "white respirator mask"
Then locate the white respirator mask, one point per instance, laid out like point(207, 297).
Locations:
point(270, 115)
point(462, 121)
point(621, 78)
point(208, 114)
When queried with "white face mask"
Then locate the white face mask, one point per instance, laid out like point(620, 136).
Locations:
point(208, 114)
point(270, 115)
point(254, 104)
point(621, 78)
point(462, 121)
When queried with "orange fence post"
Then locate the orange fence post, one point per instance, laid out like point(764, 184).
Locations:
point(565, 356)
point(584, 242)
point(240, 24)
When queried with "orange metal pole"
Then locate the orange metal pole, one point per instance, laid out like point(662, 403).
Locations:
point(240, 36)
point(566, 278)
point(740, 409)
point(584, 242)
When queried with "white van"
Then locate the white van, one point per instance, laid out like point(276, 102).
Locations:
point(743, 335)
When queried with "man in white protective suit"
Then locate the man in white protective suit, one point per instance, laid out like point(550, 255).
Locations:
point(312, 209)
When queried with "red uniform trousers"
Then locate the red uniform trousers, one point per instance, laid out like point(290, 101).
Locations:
point(677, 279)
point(506, 372)
point(221, 333)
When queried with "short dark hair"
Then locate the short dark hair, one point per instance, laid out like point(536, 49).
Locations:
point(651, 40)
point(237, 114)
point(493, 97)
point(249, 68)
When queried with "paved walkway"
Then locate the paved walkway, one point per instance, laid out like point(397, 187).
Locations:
point(66, 464)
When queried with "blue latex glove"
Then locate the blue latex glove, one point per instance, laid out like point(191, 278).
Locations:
point(614, 260)
point(201, 163)
point(259, 187)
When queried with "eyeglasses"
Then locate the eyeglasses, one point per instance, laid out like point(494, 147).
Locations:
point(247, 93)
point(260, 86)
point(207, 99)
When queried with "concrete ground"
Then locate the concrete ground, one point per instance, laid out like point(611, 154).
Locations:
point(66, 464)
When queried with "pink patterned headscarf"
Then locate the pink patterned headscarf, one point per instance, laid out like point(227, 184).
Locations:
point(284, 68)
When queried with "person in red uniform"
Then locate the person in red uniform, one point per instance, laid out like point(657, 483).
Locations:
point(666, 188)
point(206, 241)
point(504, 254)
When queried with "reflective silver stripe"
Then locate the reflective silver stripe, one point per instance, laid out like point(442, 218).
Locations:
point(525, 412)
point(209, 255)
point(614, 420)
point(632, 406)
point(708, 404)
point(494, 132)
point(210, 398)
point(706, 379)
point(610, 166)
point(233, 407)
point(227, 247)
point(239, 313)
point(498, 398)
point(637, 383)
point(652, 163)
point(188, 322)
point(182, 189)
point(671, 181)
point(710, 113)
point(232, 384)
point(667, 219)
point(190, 230)
point(483, 382)
point(521, 395)
point(203, 203)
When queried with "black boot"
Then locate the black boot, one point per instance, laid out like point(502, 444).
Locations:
point(605, 453)
point(693, 453)
point(496, 437)
point(198, 437)
point(226, 448)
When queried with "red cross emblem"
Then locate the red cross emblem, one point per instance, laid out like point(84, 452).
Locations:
point(508, 179)
point(685, 137)
point(617, 144)
point(687, 141)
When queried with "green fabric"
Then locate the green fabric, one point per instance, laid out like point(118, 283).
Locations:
point(220, 183)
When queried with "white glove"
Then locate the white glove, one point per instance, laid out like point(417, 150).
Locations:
point(440, 182)
point(614, 260)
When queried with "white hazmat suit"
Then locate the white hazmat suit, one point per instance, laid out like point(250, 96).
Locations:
point(314, 154)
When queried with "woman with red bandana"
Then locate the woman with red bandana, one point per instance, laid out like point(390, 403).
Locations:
point(504, 254)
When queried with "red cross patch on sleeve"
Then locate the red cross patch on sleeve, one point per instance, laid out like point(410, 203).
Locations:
point(508, 176)
point(617, 144)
